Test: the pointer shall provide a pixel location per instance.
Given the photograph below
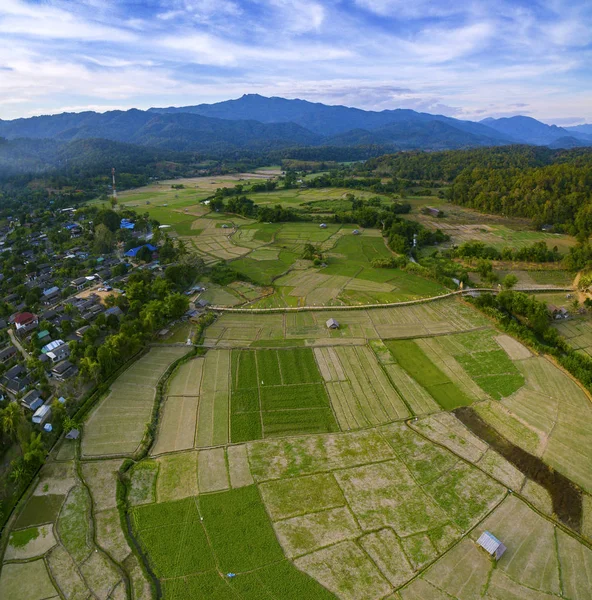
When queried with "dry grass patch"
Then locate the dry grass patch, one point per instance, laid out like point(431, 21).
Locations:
point(66, 575)
point(143, 482)
point(26, 581)
point(56, 478)
point(306, 533)
point(297, 496)
point(346, 571)
point(385, 495)
point(447, 430)
point(212, 471)
point(384, 549)
point(275, 459)
point(238, 466)
point(109, 534)
point(101, 575)
point(101, 478)
point(499, 468)
point(177, 426)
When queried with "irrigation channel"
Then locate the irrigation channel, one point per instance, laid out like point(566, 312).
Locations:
point(565, 495)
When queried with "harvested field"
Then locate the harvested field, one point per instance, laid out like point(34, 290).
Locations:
point(117, 425)
point(26, 581)
point(367, 396)
point(101, 478)
point(332, 567)
point(212, 471)
point(30, 543)
point(109, 534)
point(187, 378)
point(531, 557)
point(212, 420)
point(177, 424)
point(514, 349)
point(238, 466)
point(143, 482)
point(386, 552)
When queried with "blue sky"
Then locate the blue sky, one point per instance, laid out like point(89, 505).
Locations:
point(467, 59)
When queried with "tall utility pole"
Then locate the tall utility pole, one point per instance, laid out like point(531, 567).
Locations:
point(114, 195)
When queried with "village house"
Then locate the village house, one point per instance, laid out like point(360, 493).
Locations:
point(25, 322)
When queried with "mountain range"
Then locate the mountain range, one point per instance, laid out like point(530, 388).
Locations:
point(257, 123)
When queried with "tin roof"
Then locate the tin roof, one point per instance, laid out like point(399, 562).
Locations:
point(489, 542)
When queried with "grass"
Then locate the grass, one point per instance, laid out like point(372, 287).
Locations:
point(74, 524)
point(26, 581)
point(39, 510)
point(142, 488)
point(19, 539)
point(412, 358)
point(235, 536)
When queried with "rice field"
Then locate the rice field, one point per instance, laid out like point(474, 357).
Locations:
point(577, 333)
point(417, 320)
point(117, 425)
point(277, 392)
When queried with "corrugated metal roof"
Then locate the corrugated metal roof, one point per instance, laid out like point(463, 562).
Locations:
point(489, 542)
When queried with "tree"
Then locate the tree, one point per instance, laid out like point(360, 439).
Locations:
point(176, 305)
point(510, 280)
point(11, 417)
point(34, 451)
point(104, 239)
point(144, 254)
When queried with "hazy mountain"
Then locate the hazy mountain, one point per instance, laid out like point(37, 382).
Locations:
point(528, 130)
point(412, 135)
point(569, 141)
point(321, 118)
point(257, 123)
point(175, 131)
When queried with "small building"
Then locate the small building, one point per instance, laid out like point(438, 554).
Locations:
point(64, 370)
point(32, 400)
point(43, 335)
point(42, 414)
point(332, 324)
point(73, 434)
point(114, 310)
point(79, 283)
point(491, 545)
point(25, 321)
point(356, 232)
point(7, 354)
point(433, 212)
point(59, 353)
point(52, 346)
point(323, 225)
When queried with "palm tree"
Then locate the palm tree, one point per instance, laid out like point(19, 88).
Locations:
point(11, 419)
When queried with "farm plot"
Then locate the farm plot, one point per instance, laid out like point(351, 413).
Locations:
point(277, 392)
point(118, 423)
point(234, 536)
point(54, 533)
point(443, 316)
point(381, 501)
point(364, 396)
point(411, 356)
point(415, 396)
point(560, 412)
point(212, 419)
point(481, 357)
point(216, 241)
point(242, 329)
point(578, 334)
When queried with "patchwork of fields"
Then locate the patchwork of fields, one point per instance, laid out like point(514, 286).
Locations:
point(292, 461)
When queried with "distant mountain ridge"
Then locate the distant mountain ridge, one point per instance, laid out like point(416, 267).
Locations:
point(257, 123)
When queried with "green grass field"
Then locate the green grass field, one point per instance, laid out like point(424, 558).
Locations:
point(191, 543)
point(412, 358)
point(277, 392)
